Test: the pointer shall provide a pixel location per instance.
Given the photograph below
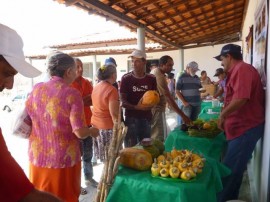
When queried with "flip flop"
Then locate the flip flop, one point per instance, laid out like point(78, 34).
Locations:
point(83, 191)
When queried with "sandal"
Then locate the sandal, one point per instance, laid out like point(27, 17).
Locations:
point(83, 191)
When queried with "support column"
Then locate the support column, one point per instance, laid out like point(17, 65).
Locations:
point(180, 69)
point(141, 38)
point(94, 69)
point(181, 57)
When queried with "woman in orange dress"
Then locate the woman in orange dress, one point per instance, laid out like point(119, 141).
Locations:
point(56, 111)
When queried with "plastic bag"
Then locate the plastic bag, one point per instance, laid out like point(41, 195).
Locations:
point(22, 125)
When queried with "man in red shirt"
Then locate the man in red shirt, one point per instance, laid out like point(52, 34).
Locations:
point(14, 185)
point(85, 87)
point(242, 118)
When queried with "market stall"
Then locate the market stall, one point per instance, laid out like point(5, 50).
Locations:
point(134, 185)
point(131, 185)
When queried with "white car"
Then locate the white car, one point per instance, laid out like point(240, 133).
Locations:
point(14, 103)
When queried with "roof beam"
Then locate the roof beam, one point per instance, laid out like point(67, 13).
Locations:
point(122, 17)
point(143, 5)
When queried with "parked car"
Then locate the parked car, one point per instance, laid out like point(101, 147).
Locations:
point(15, 103)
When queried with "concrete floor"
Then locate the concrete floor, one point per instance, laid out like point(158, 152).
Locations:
point(245, 194)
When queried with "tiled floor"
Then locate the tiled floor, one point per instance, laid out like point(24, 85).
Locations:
point(171, 121)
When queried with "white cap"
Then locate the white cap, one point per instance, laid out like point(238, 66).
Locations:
point(138, 54)
point(11, 48)
point(193, 65)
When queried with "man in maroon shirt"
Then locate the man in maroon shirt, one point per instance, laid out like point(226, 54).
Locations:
point(14, 185)
point(133, 85)
point(242, 118)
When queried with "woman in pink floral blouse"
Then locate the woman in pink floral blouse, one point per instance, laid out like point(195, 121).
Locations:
point(57, 115)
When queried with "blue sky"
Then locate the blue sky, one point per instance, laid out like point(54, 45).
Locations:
point(45, 22)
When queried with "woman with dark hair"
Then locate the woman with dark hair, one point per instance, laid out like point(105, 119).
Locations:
point(56, 111)
point(204, 78)
point(105, 101)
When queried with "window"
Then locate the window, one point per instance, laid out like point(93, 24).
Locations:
point(88, 70)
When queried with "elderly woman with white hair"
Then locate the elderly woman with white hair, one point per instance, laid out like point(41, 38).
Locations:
point(57, 115)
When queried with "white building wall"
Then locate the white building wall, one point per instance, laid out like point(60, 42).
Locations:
point(203, 56)
point(259, 166)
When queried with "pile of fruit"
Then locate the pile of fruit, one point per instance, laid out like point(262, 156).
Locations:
point(181, 164)
point(201, 128)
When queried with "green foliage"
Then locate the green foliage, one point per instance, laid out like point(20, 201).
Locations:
point(197, 129)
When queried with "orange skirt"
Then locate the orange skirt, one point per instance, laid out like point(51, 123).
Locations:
point(62, 182)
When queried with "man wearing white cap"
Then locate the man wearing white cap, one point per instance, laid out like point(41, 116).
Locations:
point(14, 185)
point(187, 91)
point(133, 85)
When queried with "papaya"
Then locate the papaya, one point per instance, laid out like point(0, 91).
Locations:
point(138, 159)
point(150, 98)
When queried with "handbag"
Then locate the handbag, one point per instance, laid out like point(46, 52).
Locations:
point(22, 124)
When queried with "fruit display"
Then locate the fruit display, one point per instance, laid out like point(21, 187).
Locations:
point(201, 128)
point(150, 98)
point(183, 164)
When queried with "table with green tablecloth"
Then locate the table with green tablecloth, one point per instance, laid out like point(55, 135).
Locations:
point(133, 186)
point(205, 114)
point(212, 147)
point(206, 103)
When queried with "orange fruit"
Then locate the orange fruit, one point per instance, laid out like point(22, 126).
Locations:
point(206, 126)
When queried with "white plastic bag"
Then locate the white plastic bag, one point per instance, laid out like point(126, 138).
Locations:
point(22, 125)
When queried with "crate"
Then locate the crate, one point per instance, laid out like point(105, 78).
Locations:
point(210, 89)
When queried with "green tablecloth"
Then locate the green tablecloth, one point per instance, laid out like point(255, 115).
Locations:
point(133, 186)
point(206, 103)
point(206, 146)
point(206, 116)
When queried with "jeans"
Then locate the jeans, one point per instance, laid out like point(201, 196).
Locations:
point(239, 152)
point(87, 154)
point(191, 111)
point(179, 119)
point(137, 130)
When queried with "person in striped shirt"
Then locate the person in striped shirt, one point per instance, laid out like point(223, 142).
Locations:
point(187, 91)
